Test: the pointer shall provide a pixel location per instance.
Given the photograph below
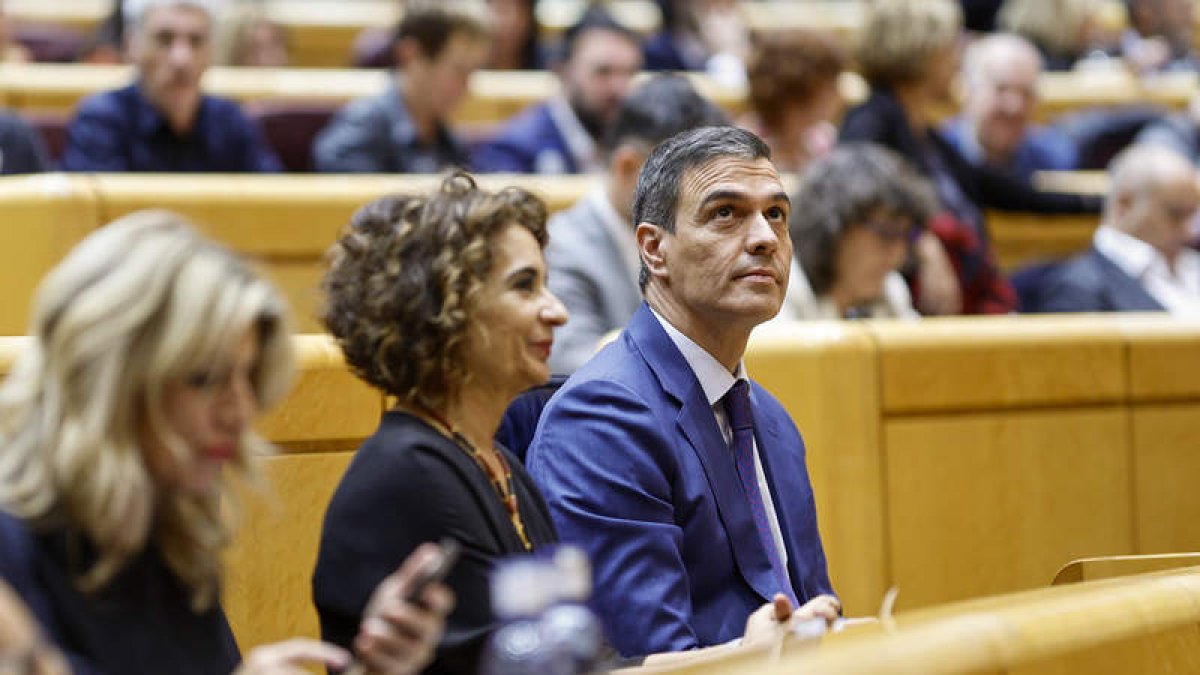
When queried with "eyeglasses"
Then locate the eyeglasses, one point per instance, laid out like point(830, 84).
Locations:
point(892, 229)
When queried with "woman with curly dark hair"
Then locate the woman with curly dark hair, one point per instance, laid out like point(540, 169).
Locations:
point(439, 301)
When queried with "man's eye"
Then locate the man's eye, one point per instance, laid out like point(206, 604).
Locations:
point(776, 213)
point(724, 212)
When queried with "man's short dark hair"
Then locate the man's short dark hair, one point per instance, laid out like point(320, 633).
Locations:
point(657, 195)
point(432, 23)
point(595, 18)
point(658, 109)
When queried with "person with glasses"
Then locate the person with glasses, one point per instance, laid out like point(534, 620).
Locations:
point(860, 210)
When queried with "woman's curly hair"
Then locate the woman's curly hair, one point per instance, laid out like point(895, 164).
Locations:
point(403, 279)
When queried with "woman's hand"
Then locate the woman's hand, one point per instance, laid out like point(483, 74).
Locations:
point(398, 637)
point(940, 292)
point(291, 656)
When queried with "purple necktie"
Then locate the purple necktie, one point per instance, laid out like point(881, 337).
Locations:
point(741, 420)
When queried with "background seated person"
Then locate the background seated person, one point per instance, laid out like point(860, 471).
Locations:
point(1000, 74)
point(701, 35)
point(22, 149)
point(561, 135)
point(909, 53)
point(592, 253)
point(793, 78)
point(1065, 32)
point(1139, 260)
point(438, 44)
point(856, 213)
point(685, 482)
point(163, 122)
point(250, 38)
point(126, 423)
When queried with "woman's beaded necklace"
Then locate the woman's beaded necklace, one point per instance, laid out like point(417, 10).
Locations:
point(503, 484)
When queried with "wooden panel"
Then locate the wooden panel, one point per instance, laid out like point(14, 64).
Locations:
point(43, 217)
point(1164, 357)
point(268, 585)
point(981, 504)
point(1174, 651)
point(327, 408)
point(1023, 238)
point(1087, 569)
point(1165, 442)
point(974, 363)
point(824, 373)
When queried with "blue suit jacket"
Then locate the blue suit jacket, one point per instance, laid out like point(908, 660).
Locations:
point(528, 143)
point(1093, 283)
point(635, 469)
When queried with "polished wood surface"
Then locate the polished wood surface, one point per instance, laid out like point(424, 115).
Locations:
point(268, 585)
point(988, 363)
point(1088, 569)
point(980, 504)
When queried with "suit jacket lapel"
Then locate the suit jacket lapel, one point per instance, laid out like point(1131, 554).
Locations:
point(698, 425)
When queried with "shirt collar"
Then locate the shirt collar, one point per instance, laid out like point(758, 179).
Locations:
point(579, 142)
point(1126, 251)
point(150, 120)
point(714, 379)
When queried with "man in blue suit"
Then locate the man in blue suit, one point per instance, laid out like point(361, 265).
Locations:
point(685, 483)
point(560, 136)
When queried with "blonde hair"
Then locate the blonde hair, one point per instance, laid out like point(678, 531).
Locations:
point(1053, 25)
point(141, 303)
point(901, 36)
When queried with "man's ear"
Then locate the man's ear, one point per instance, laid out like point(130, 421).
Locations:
point(653, 246)
point(626, 163)
point(404, 51)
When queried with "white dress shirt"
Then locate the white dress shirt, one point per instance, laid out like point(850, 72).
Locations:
point(1178, 292)
point(715, 381)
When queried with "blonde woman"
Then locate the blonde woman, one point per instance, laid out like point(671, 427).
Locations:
point(124, 424)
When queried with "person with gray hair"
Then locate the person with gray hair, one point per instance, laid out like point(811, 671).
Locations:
point(996, 128)
point(163, 122)
point(684, 481)
point(592, 255)
point(1139, 260)
point(862, 207)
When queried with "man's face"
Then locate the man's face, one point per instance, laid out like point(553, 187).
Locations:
point(727, 263)
point(1162, 215)
point(597, 77)
point(441, 82)
point(171, 49)
point(1002, 101)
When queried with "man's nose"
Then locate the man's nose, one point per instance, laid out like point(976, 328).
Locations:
point(761, 237)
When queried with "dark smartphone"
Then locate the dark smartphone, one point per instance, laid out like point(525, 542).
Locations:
point(436, 570)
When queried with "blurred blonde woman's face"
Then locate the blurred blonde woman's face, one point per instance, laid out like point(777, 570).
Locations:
point(207, 410)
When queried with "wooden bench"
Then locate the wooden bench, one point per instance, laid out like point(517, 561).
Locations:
point(1141, 624)
point(1107, 567)
point(962, 457)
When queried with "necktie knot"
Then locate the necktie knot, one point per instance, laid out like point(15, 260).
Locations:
point(737, 404)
